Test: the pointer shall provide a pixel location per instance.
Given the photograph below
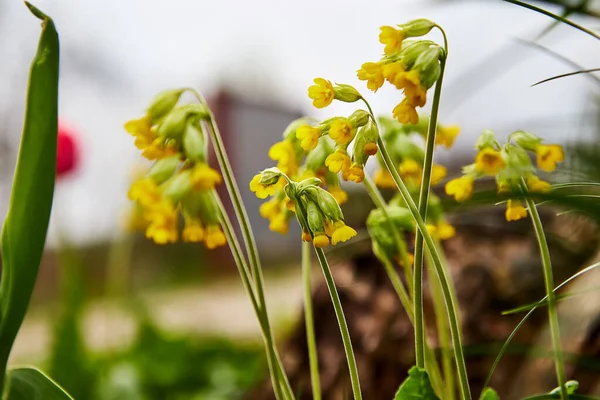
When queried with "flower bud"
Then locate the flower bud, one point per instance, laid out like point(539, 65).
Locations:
point(526, 140)
point(410, 53)
point(486, 139)
point(308, 185)
point(518, 164)
point(328, 205)
point(270, 176)
point(163, 103)
point(290, 131)
point(208, 207)
point(194, 144)
point(163, 169)
point(179, 186)
point(359, 118)
point(316, 158)
point(346, 93)
point(315, 218)
point(174, 123)
point(417, 27)
point(428, 63)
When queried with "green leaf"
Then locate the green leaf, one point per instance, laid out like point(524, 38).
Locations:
point(24, 231)
point(32, 384)
point(571, 387)
point(416, 387)
point(489, 394)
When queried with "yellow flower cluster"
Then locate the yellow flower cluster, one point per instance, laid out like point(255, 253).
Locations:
point(301, 155)
point(180, 181)
point(511, 166)
point(412, 66)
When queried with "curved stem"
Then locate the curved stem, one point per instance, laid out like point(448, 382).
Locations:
point(439, 269)
point(380, 203)
point(313, 357)
point(243, 220)
point(275, 367)
point(339, 313)
point(423, 202)
point(549, 283)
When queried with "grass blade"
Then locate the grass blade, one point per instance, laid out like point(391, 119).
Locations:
point(31, 383)
point(585, 71)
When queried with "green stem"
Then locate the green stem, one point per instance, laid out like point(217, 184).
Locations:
point(439, 269)
point(339, 313)
point(549, 283)
point(380, 203)
point(311, 341)
point(119, 265)
point(275, 367)
point(423, 202)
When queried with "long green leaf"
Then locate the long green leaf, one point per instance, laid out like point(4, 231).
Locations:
point(24, 231)
point(489, 394)
point(416, 387)
point(33, 384)
point(584, 71)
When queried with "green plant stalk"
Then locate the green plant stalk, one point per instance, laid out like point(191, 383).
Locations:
point(243, 220)
point(380, 203)
point(339, 313)
point(443, 332)
point(439, 269)
point(313, 357)
point(275, 367)
point(423, 203)
point(119, 265)
point(549, 283)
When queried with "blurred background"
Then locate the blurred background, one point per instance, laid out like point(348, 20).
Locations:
point(108, 303)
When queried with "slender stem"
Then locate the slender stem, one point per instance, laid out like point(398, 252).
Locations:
point(339, 313)
point(439, 269)
point(423, 202)
point(244, 221)
point(443, 332)
point(313, 357)
point(549, 283)
point(275, 367)
point(380, 203)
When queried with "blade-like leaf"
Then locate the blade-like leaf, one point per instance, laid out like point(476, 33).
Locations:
point(489, 394)
point(416, 387)
point(33, 384)
point(24, 231)
point(585, 71)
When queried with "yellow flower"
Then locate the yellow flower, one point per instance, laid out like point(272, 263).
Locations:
point(461, 188)
point(446, 135)
point(340, 196)
point(391, 38)
point(214, 237)
point(280, 224)
point(262, 191)
point(432, 229)
point(405, 113)
point(383, 179)
point(306, 236)
point(193, 231)
point(515, 210)
point(338, 161)
point(355, 173)
point(341, 131)
point(145, 191)
point(410, 171)
point(157, 150)
point(370, 149)
point(395, 74)
point(548, 156)
point(342, 233)
point(504, 187)
point(283, 152)
point(270, 209)
point(309, 136)
point(416, 94)
point(321, 240)
point(535, 184)
point(329, 228)
point(321, 93)
point(163, 223)
point(438, 172)
point(141, 130)
point(445, 231)
point(372, 73)
point(489, 161)
point(204, 177)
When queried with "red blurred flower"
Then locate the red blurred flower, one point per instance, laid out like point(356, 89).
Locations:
point(67, 154)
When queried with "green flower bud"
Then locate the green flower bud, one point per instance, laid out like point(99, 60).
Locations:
point(316, 158)
point(405, 148)
point(359, 118)
point(179, 186)
point(417, 27)
point(315, 218)
point(163, 103)
point(526, 140)
point(328, 205)
point(486, 139)
point(308, 185)
point(194, 144)
point(270, 176)
point(346, 93)
point(163, 169)
point(174, 123)
point(380, 230)
point(208, 207)
point(359, 156)
point(518, 163)
point(428, 64)
point(291, 191)
point(409, 54)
